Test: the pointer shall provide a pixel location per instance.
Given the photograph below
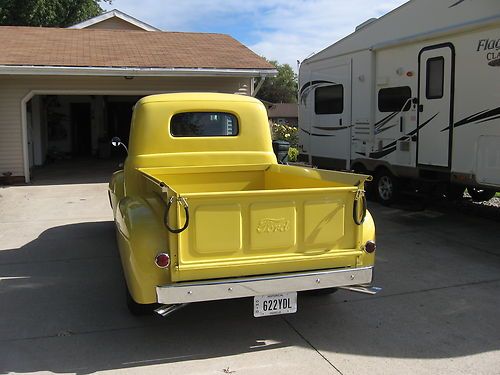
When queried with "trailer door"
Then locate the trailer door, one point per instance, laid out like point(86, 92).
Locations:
point(435, 96)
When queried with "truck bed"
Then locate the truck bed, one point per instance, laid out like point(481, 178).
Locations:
point(259, 219)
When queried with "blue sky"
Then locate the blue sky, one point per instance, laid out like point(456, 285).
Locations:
point(283, 30)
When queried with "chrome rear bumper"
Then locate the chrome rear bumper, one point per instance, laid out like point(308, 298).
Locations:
point(261, 285)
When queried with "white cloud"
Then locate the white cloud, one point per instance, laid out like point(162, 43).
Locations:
point(306, 27)
point(283, 30)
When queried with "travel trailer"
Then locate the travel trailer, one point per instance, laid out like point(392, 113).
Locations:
point(412, 97)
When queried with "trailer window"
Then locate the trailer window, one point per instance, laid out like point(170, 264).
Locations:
point(203, 124)
point(329, 100)
point(393, 99)
point(435, 78)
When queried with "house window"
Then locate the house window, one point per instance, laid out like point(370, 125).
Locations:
point(204, 124)
point(329, 100)
point(393, 99)
point(435, 78)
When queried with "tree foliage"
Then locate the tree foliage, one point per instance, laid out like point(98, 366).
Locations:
point(282, 88)
point(49, 13)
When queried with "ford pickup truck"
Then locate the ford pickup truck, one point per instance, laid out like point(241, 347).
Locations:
point(204, 212)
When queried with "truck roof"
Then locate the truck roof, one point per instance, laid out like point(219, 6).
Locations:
point(198, 96)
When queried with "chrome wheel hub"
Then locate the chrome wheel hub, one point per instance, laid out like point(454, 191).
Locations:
point(385, 187)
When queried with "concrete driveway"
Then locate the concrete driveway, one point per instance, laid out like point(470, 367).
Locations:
point(62, 306)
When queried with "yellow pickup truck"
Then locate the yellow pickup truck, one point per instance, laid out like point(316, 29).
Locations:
point(204, 212)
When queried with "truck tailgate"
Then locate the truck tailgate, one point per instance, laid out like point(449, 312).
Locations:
point(266, 231)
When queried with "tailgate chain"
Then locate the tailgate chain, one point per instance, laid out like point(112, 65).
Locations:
point(184, 204)
point(360, 195)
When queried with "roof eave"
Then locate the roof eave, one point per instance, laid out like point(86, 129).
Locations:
point(134, 72)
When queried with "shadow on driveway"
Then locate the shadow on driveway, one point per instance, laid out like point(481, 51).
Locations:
point(63, 309)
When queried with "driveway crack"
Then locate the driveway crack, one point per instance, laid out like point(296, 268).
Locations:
point(311, 345)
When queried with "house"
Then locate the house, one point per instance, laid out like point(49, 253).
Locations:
point(65, 92)
point(283, 113)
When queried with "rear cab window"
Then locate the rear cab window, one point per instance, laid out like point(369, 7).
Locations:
point(204, 124)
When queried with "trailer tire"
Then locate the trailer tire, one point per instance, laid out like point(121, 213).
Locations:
point(454, 192)
point(386, 187)
point(480, 195)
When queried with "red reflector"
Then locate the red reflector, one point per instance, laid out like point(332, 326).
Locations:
point(162, 260)
point(370, 246)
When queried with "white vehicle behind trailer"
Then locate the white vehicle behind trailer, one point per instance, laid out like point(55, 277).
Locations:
point(411, 97)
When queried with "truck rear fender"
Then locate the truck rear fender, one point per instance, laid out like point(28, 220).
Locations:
point(367, 234)
point(141, 236)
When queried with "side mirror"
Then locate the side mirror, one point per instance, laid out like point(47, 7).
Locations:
point(116, 141)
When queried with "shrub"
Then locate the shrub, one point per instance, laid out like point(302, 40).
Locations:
point(293, 154)
point(281, 132)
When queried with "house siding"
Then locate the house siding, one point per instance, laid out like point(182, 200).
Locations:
point(14, 88)
point(114, 23)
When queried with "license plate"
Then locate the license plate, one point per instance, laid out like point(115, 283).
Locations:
point(285, 303)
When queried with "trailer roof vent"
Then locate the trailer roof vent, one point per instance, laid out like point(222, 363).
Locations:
point(366, 23)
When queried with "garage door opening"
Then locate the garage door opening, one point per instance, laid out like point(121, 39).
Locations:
point(70, 134)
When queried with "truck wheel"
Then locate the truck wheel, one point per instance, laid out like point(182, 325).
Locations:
point(480, 195)
point(138, 309)
point(386, 187)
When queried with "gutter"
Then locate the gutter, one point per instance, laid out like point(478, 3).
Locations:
point(133, 72)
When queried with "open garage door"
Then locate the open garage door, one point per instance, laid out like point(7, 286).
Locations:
point(69, 135)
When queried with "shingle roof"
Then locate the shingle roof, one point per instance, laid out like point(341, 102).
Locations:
point(37, 46)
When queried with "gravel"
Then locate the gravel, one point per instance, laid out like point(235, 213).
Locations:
point(488, 209)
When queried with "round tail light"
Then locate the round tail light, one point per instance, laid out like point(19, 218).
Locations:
point(162, 260)
point(370, 246)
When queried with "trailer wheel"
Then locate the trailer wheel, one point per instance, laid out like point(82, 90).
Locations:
point(386, 187)
point(138, 309)
point(480, 195)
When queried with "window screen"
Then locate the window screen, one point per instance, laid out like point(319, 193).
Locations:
point(203, 124)
point(435, 78)
point(393, 99)
point(329, 100)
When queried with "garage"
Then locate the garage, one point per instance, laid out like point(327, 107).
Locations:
point(62, 127)
point(65, 92)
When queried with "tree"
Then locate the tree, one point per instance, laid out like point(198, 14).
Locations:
point(282, 88)
point(49, 13)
